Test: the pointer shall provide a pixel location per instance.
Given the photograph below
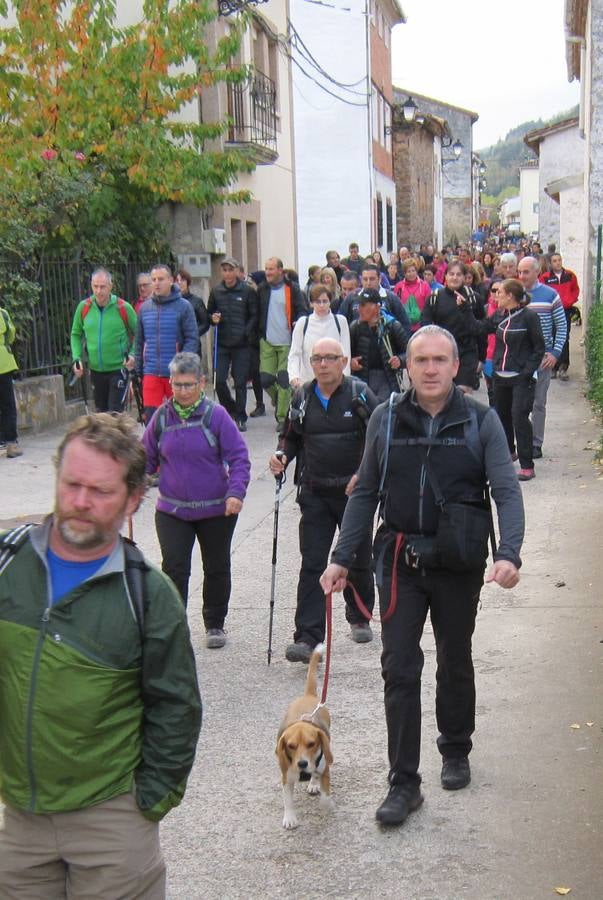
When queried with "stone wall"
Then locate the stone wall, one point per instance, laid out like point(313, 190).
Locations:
point(414, 177)
point(41, 404)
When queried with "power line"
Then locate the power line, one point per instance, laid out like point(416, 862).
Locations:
point(298, 40)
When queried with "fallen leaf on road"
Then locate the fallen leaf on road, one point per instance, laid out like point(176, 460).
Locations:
point(560, 584)
point(581, 486)
point(562, 891)
point(590, 724)
point(575, 725)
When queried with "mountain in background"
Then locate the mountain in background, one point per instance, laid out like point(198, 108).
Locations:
point(504, 158)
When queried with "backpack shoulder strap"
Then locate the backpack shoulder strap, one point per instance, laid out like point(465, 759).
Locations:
point(160, 423)
point(86, 307)
point(121, 308)
point(472, 427)
point(337, 324)
point(135, 578)
point(11, 543)
point(387, 429)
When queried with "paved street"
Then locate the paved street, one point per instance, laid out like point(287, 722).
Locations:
point(532, 817)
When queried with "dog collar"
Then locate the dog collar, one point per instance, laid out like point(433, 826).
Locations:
point(320, 764)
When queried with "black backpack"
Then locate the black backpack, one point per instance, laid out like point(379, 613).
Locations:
point(13, 540)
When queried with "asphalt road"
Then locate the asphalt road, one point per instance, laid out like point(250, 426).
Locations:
point(532, 818)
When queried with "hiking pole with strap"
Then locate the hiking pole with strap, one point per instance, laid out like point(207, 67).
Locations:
point(388, 347)
point(82, 378)
point(277, 499)
point(215, 356)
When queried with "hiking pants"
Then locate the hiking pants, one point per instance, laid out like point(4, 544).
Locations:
point(320, 516)
point(539, 410)
point(108, 850)
point(451, 599)
point(273, 369)
point(177, 539)
point(8, 409)
point(235, 359)
point(513, 401)
point(109, 389)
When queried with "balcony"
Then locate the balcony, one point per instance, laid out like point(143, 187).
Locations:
point(252, 109)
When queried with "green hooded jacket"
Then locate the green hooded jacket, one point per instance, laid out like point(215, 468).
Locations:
point(105, 334)
point(86, 711)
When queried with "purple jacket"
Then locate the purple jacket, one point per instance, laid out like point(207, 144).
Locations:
point(195, 479)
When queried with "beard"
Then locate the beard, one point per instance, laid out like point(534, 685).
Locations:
point(80, 536)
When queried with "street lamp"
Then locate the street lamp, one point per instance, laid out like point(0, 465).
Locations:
point(455, 146)
point(409, 109)
point(229, 7)
point(482, 167)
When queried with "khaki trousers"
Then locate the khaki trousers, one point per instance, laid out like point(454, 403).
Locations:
point(105, 852)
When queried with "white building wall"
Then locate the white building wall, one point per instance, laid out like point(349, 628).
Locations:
point(561, 154)
point(571, 241)
point(332, 141)
point(529, 200)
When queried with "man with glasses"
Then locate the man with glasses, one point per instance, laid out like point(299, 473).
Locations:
point(325, 432)
point(145, 289)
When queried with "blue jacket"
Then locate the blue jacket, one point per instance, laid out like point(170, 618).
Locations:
point(166, 326)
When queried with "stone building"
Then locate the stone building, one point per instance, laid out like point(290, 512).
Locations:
point(584, 43)
point(457, 173)
point(342, 96)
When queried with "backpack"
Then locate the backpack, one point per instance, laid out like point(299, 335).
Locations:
point(412, 309)
point(121, 308)
point(13, 540)
point(160, 425)
point(359, 404)
point(307, 322)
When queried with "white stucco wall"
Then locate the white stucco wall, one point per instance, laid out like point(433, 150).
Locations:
point(332, 158)
point(571, 241)
point(561, 154)
point(528, 197)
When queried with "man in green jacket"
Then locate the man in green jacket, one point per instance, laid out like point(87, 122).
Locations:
point(99, 704)
point(107, 325)
point(8, 406)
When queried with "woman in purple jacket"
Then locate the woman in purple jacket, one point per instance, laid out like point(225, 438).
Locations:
point(204, 472)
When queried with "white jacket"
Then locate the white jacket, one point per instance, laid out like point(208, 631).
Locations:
point(298, 364)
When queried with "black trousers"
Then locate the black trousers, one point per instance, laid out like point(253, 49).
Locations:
point(8, 409)
point(451, 599)
point(513, 401)
point(236, 360)
point(177, 539)
point(254, 374)
point(109, 388)
point(320, 516)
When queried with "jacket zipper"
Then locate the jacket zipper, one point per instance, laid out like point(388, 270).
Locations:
point(32, 692)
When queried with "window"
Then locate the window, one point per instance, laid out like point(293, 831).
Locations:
point(389, 226)
point(251, 230)
point(236, 242)
point(379, 221)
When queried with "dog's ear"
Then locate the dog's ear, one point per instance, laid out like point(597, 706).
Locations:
point(326, 747)
point(284, 760)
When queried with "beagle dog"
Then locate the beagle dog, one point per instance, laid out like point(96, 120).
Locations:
point(303, 746)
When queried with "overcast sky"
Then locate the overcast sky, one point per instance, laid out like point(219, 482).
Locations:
point(504, 60)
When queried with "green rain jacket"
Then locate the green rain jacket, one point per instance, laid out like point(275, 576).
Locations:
point(86, 712)
point(105, 333)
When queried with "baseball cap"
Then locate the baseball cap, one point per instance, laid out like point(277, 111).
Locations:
point(230, 261)
point(369, 296)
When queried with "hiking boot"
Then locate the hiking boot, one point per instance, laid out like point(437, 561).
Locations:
point(526, 474)
point(214, 638)
point(401, 800)
point(13, 450)
point(260, 410)
point(536, 452)
point(299, 652)
point(361, 632)
point(456, 773)
point(563, 376)
point(241, 424)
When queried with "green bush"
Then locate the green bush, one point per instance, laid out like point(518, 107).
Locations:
point(594, 356)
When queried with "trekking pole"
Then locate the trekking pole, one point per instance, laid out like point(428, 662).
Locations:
point(82, 377)
point(215, 356)
point(388, 347)
point(277, 498)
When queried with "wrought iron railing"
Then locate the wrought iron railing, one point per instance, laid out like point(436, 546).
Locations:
point(252, 108)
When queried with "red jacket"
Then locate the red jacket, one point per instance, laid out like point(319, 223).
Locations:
point(566, 285)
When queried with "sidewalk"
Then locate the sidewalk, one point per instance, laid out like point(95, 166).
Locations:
point(532, 818)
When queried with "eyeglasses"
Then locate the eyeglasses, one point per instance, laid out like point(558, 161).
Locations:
point(184, 385)
point(328, 357)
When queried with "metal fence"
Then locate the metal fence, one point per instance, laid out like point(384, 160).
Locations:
point(45, 348)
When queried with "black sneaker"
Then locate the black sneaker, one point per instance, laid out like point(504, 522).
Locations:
point(456, 773)
point(242, 424)
point(361, 632)
point(260, 410)
point(536, 452)
point(299, 652)
point(401, 800)
point(215, 638)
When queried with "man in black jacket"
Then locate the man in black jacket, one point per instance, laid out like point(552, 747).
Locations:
point(429, 455)
point(233, 310)
point(325, 430)
point(377, 342)
point(184, 280)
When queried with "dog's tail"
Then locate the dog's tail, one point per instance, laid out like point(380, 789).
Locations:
point(313, 668)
